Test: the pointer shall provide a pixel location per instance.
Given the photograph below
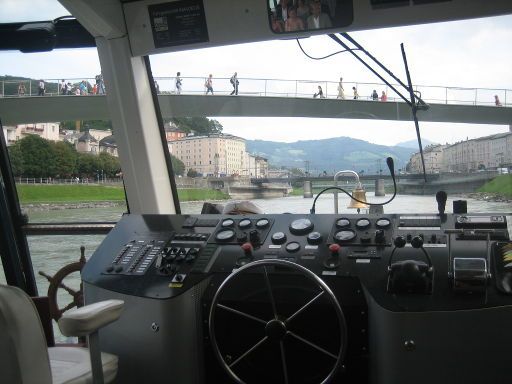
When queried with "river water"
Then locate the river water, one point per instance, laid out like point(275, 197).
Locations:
point(50, 253)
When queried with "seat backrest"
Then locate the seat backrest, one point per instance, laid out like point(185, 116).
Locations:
point(23, 353)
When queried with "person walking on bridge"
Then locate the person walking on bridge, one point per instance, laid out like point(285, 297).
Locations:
point(234, 82)
point(209, 84)
point(341, 91)
point(178, 83)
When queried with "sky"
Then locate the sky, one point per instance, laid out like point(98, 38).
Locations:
point(468, 54)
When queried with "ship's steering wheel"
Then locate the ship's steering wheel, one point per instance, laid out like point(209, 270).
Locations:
point(276, 329)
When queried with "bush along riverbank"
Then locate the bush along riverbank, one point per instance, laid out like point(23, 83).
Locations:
point(49, 197)
point(498, 189)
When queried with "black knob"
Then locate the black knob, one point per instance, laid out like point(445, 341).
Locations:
point(242, 237)
point(379, 236)
point(254, 237)
point(365, 238)
point(417, 242)
point(399, 242)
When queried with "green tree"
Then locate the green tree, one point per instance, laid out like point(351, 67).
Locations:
point(66, 159)
point(192, 173)
point(102, 125)
point(177, 166)
point(88, 165)
point(109, 164)
point(197, 125)
point(16, 158)
point(39, 158)
point(297, 172)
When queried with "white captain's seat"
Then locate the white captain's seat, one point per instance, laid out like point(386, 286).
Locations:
point(24, 357)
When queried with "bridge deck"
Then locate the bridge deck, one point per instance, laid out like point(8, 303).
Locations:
point(59, 108)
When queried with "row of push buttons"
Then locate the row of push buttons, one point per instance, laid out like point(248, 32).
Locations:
point(191, 236)
point(179, 254)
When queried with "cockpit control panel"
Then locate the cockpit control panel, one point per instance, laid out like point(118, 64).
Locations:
point(394, 276)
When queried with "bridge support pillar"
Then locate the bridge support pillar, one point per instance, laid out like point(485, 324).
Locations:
point(308, 189)
point(379, 188)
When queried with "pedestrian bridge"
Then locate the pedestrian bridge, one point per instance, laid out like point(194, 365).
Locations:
point(262, 98)
point(31, 109)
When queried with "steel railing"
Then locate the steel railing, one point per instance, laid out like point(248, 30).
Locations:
point(281, 88)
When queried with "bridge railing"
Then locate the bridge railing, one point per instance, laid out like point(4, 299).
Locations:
point(277, 88)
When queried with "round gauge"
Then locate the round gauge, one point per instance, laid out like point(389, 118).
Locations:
point(225, 235)
point(244, 224)
point(262, 223)
point(228, 223)
point(362, 223)
point(345, 235)
point(292, 246)
point(383, 223)
point(343, 223)
point(315, 238)
point(278, 238)
point(301, 226)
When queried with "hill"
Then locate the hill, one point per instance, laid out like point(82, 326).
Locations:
point(330, 155)
point(414, 143)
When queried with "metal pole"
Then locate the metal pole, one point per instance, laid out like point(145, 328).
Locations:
point(414, 110)
point(335, 38)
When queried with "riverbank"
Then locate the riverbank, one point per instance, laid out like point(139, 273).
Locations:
point(86, 195)
point(489, 196)
point(498, 189)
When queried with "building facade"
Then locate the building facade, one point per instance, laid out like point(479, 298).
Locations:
point(173, 133)
point(484, 153)
point(48, 131)
point(217, 155)
point(433, 155)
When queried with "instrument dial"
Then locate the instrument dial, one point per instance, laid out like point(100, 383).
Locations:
point(343, 223)
point(383, 223)
point(262, 223)
point(292, 246)
point(315, 238)
point(362, 223)
point(301, 226)
point(228, 223)
point(225, 235)
point(344, 235)
point(278, 238)
point(244, 224)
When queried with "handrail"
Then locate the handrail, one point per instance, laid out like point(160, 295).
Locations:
point(82, 228)
point(303, 88)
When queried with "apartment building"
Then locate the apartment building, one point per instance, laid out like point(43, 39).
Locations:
point(48, 131)
point(218, 154)
point(433, 155)
point(488, 152)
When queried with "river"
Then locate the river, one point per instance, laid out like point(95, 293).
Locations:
point(50, 253)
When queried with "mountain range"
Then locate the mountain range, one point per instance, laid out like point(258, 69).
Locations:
point(330, 155)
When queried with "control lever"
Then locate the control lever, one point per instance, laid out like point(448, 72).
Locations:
point(441, 197)
point(410, 276)
point(254, 237)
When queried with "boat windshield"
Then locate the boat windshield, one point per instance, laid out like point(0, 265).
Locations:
point(14, 11)
point(320, 117)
